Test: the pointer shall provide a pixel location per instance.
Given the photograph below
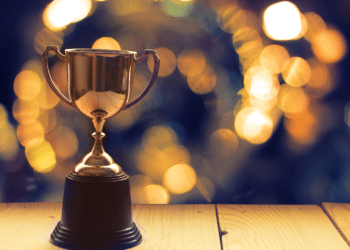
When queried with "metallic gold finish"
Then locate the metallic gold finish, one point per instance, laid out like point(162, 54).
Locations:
point(99, 85)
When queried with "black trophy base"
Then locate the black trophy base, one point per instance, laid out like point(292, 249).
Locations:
point(96, 214)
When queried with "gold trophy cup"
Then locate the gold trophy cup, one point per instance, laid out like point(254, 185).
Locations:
point(96, 211)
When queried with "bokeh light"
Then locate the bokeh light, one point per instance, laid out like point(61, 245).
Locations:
point(315, 24)
point(282, 21)
point(191, 62)
point(25, 112)
point(106, 43)
point(261, 84)
point(292, 99)
point(156, 194)
point(64, 142)
point(177, 8)
point(9, 147)
point(137, 188)
point(40, 155)
point(168, 64)
point(180, 178)
point(258, 127)
point(27, 85)
point(159, 137)
point(329, 46)
point(3, 116)
point(223, 143)
point(254, 125)
point(321, 82)
point(206, 187)
point(231, 18)
point(204, 82)
point(273, 58)
point(302, 127)
point(46, 37)
point(48, 119)
point(29, 132)
point(46, 98)
point(59, 13)
point(297, 72)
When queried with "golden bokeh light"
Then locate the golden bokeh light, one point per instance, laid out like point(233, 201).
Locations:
point(282, 21)
point(231, 18)
point(154, 162)
point(223, 143)
point(244, 35)
point(156, 194)
point(60, 13)
point(180, 178)
point(48, 119)
point(8, 142)
point(27, 85)
point(273, 58)
point(297, 72)
point(168, 64)
point(159, 137)
point(46, 37)
point(40, 155)
point(206, 187)
point(3, 116)
point(261, 84)
point(124, 119)
point(302, 127)
point(292, 100)
point(254, 125)
point(321, 80)
point(250, 49)
point(315, 24)
point(123, 8)
point(265, 105)
point(264, 86)
point(329, 46)
point(204, 82)
point(46, 98)
point(137, 188)
point(25, 112)
point(191, 62)
point(29, 132)
point(106, 43)
point(64, 142)
point(258, 127)
point(247, 43)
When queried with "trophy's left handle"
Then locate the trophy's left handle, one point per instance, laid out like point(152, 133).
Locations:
point(45, 63)
point(153, 78)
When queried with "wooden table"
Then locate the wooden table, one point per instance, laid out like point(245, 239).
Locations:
point(27, 226)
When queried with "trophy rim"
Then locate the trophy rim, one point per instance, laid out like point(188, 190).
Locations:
point(102, 51)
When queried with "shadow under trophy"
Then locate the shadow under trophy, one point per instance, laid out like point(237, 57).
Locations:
point(96, 211)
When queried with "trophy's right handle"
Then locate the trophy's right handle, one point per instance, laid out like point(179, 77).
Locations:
point(45, 63)
point(153, 78)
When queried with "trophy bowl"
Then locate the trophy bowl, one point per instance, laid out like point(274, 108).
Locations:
point(96, 209)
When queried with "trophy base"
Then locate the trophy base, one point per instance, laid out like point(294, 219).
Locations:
point(96, 213)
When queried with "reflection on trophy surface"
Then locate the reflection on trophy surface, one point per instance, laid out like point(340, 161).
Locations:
point(100, 81)
point(96, 208)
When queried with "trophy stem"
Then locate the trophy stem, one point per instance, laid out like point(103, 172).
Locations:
point(98, 121)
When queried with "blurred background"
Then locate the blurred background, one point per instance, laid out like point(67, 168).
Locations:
point(251, 104)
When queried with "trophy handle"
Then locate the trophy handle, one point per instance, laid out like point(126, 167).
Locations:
point(45, 63)
point(153, 78)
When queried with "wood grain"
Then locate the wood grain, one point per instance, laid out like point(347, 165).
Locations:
point(177, 227)
point(339, 214)
point(28, 226)
point(277, 227)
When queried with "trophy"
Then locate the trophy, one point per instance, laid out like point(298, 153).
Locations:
point(96, 210)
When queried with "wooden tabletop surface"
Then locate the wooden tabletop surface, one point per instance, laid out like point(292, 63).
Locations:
point(27, 226)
